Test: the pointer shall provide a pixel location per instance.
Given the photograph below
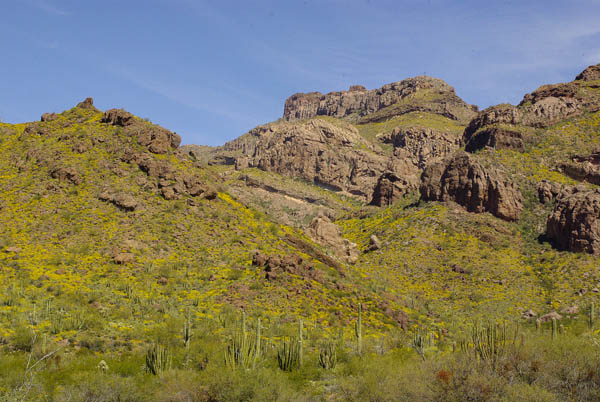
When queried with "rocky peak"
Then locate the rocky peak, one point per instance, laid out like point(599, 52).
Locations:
point(157, 139)
point(592, 73)
point(419, 93)
point(543, 107)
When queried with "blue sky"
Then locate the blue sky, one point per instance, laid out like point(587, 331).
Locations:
point(211, 70)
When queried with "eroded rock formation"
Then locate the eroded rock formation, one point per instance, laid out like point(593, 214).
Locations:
point(358, 101)
point(327, 233)
point(332, 155)
point(466, 182)
point(574, 223)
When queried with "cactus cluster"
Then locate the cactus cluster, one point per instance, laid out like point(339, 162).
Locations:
point(158, 359)
point(418, 343)
point(242, 350)
point(290, 354)
point(328, 356)
point(491, 341)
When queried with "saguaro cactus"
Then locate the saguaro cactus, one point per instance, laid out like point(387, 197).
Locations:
point(300, 343)
point(358, 329)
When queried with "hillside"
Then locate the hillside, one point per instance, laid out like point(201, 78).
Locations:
point(403, 202)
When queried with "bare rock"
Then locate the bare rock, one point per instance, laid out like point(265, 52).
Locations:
point(494, 137)
point(499, 114)
point(327, 233)
point(123, 258)
point(548, 191)
point(118, 117)
point(157, 139)
point(592, 73)
point(276, 267)
point(88, 103)
point(334, 156)
point(122, 200)
point(550, 104)
point(420, 145)
point(574, 223)
point(160, 169)
point(584, 168)
point(390, 188)
point(550, 316)
point(48, 117)
point(66, 173)
point(464, 181)
point(374, 243)
point(360, 102)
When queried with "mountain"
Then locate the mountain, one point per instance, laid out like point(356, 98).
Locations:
point(403, 200)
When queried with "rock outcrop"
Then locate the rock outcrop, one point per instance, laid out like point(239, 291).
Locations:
point(494, 137)
point(327, 233)
point(543, 107)
point(584, 168)
point(466, 182)
point(157, 139)
point(390, 188)
point(66, 174)
point(277, 267)
point(123, 201)
point(574, 223)
point(332, 155)
point(592, 73)
point(420, 145)
point(549, 191)
point(413, 94)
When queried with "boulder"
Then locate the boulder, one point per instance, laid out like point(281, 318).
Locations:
point(157, 139)
point(66, 174)
point(123, 258)
point(374, 243)
point(327, 233)
point(49, 117)
point(390, 188)
point(463, 180)
point(88, 103)
point(118, 117)
point(550, 316)
point(574, 223)
point(124, 201)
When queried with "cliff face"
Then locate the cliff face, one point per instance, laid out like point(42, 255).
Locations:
point(332, 155)
point(422, 93)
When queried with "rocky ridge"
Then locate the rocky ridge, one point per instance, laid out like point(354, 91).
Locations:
point(422, 93)
point(497, 126)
